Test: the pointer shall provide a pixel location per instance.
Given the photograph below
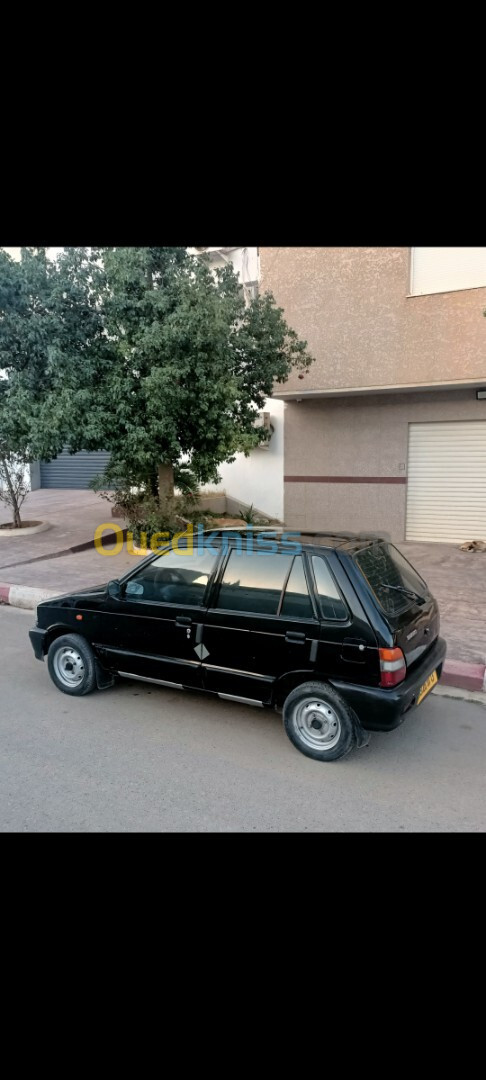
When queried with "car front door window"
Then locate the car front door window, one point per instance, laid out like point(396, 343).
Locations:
point(173, 578)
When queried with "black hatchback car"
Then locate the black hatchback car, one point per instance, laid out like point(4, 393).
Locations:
point(339, 631)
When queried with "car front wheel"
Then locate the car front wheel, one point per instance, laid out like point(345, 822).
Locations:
point(319, 722)
point(71, 663)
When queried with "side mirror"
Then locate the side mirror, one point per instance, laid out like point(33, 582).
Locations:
point(114, 589)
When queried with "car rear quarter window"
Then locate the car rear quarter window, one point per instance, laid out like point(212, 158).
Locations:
point(297, 602)
point(330, 600)
point(253, 581)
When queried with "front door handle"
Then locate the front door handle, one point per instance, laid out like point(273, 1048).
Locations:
point(296, 639)
point(182, 620)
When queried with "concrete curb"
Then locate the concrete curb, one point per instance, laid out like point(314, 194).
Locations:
point(20, 534)
point(456, 673)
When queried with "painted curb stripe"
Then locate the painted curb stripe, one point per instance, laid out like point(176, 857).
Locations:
point(465, 676)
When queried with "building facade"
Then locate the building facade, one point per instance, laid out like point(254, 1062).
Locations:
point(388, 430)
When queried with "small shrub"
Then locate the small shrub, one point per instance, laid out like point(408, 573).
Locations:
point(252, 517)
point(150, 515)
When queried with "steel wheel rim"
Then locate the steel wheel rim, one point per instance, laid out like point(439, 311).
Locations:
point(319, 727)
point(69, 666)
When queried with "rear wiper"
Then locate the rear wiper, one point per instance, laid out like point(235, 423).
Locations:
point(408, 592)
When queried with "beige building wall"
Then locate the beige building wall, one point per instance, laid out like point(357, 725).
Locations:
point(353, 437)
point(362, 326)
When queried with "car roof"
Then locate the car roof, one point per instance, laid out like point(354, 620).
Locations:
point(347, 540)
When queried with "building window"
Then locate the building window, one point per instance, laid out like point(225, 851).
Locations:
point(447, 269)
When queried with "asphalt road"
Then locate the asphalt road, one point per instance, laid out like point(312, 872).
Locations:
point(148, 759)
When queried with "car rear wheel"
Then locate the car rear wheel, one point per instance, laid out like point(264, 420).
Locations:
point(319, 722)
point(71, 663)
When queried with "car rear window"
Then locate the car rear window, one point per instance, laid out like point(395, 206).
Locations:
point(383, 565)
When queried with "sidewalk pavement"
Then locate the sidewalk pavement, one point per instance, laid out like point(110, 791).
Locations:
point(456, 578)
point(458, 581)
point(73, 515)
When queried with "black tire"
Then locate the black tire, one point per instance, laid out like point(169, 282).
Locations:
point(71, 663)
point(319, 722)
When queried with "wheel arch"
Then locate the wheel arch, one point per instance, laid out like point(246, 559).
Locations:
point(292, 679)
point(288, 682)
point(58, 630)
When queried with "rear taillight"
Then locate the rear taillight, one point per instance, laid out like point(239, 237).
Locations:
point(393, 667)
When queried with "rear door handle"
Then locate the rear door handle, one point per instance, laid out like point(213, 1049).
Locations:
point(297, 639)
point(182, 620)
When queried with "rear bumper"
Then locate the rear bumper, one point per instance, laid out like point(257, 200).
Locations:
point(383, 710)
point(37, 639)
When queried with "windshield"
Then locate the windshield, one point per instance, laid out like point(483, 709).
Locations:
point(381, 565)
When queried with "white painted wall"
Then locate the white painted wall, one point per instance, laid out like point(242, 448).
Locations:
point(245, 261)
point(258, 478)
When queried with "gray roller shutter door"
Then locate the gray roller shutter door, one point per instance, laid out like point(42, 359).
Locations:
point(72, 470)
point(446, 491)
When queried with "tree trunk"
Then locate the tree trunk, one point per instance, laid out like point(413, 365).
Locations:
point(12, 497)
point(153, 483)
point(166, 481)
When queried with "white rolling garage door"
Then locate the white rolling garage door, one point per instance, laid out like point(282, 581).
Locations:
point(446, 494)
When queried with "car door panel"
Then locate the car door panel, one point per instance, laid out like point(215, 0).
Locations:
point(247, 652)
point(153, 642)
point(235, 660)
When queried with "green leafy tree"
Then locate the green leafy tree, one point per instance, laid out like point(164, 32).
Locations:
point(50, 326)
point(143, 352)
point(22, 367)
point(187, 367)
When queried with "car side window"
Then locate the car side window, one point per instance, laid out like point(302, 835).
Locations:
point(173, 578)
point(297, 602)
point(253, 582)
point(330, 600)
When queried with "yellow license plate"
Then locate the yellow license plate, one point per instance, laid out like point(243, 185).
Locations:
point(427, 687)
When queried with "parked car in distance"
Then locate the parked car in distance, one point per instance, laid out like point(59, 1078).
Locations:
point(339, 631)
